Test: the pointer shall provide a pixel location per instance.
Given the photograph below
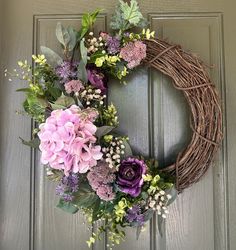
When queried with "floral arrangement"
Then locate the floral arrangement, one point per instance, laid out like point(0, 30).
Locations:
point(77, 130)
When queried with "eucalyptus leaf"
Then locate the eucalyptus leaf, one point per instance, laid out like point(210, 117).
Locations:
point(127, 150)
point(101, 131)
point(34, 143)
point(82, 72)
point(160, 224)
point(67, 207)
point(174, 193)
point(138, 231)
point(62, 35)
point(65, 101)
point(52, 57)
point(83, 52)
point(73, 38)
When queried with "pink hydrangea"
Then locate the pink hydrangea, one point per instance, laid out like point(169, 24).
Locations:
point(133, 53)
point(67, 140)
point(100, 179)
point(73, 86)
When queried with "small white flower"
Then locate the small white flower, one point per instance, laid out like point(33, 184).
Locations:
point(91, 33)
point(162, 192)
point(169, 196)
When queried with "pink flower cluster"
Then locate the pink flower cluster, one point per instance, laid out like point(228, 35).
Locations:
point(100, 179)
point(133, 53)
point(73, 86)
point(67, 140)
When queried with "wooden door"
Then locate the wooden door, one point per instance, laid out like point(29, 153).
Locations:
point(203, 217)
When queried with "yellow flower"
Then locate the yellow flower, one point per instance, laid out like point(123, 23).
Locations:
point(99, 61)
point(147, 177)
point(111, 60)
point(40, 59)
point(148, 33)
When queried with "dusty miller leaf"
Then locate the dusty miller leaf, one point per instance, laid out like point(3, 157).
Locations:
point(131, 13)
point(52, 57)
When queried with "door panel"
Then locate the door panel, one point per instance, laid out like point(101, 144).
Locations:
point(152, 113)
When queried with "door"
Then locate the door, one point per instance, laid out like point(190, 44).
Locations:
point(203, 217)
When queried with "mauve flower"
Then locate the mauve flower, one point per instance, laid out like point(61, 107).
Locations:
point(133, 53)
point(129, 177)
point(73, 86)
point(67, 140)
point(104, 35)
point(100, 179)
point(113, 45)
point(97, 78)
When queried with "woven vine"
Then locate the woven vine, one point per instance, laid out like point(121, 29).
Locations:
point(190, 76)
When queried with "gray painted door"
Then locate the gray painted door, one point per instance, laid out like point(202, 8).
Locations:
point(153, 114)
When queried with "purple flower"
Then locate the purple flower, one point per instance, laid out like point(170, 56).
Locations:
point(67, 71)
point(97, 78)
point(134, 215)
point(113, 45)
point(129, 178)
point(68, 185)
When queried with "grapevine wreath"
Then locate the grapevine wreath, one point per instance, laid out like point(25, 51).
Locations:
point(77, 133)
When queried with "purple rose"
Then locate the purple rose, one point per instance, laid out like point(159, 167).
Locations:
point(129, 178)
point(97, 78)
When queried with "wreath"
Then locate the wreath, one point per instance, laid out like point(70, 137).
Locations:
point(78, 135)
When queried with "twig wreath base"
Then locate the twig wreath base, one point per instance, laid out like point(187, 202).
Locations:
point(190, 76)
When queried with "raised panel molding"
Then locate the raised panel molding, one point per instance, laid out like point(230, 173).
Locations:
point(190, 225)
point(52, 228)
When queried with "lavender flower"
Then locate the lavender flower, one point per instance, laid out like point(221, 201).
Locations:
point(134, 215)
point(68, 185)
point(67, 71)
point(113, 45)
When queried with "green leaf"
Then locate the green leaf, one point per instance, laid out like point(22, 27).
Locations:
point(34, 143)
point(128, 150)
point(65, 101)
point(52, 57)
point(67, 206)
point(62, 35)
point(85, 197)
point(101, 131)
point(54, 90)
point(96, 209)
point(24, 90)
